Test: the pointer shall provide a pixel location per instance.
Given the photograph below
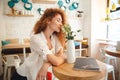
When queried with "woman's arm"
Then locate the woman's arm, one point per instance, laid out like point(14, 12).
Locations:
point(43, 71)
point(56, 59)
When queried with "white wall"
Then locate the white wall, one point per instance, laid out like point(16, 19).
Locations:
point(2, 30)
point(98, 27)
point(94, 25)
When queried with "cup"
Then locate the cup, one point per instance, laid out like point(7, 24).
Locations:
point(118, 46)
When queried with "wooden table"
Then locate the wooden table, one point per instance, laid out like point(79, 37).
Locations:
point(113, 52)
point(66, 72)
point(17, 45)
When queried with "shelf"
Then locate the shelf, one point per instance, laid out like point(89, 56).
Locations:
point(19, 15)
point(45, 1)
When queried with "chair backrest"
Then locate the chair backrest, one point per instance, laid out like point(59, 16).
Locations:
point(85, 41)
point(26, 40)
point(102, 51)
point(11, 60)
point(15, 40)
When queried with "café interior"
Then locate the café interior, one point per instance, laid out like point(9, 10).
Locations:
point(98, 21)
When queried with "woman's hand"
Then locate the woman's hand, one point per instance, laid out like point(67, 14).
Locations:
point(56, 59)
point(43, 71)
point(60, 53)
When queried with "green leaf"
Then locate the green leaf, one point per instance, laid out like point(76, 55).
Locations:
point(69, 33)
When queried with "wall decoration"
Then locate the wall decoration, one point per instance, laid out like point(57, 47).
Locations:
point(24, 1)
point(63, 5)
point(67, 1)
point(63, 8)
point(60, 3)
point(28, 6)
point(11, 4)
point(79, 13)
point(112, 10)
point(15, 1)
point(40, 11)
point(74, 6)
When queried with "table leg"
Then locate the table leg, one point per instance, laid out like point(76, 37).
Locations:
point(118, 63)
point(24, 53)
point(119, 68)
point(80, 49)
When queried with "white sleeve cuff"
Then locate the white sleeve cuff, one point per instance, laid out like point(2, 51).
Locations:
point(45, 54)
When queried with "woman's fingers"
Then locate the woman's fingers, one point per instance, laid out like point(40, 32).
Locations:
point(41, 76)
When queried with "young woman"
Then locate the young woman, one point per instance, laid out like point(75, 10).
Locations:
point(47, 44)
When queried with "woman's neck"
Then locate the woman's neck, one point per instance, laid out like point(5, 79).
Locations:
point(48, 33)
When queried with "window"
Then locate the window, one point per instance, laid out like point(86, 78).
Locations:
point(114, 30)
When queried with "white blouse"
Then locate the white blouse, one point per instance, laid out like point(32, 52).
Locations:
point(39, 49)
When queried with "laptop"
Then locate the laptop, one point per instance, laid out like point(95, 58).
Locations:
point(86, 63)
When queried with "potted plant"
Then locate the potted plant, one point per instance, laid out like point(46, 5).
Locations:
point(69, 33)
point(70, 42)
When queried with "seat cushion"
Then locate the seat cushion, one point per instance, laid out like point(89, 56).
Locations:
point(84, 46)
point(5, 42)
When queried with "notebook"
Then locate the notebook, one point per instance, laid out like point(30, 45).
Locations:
point(87, 63)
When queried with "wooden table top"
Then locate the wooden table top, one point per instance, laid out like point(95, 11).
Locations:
point(66, 72)
point(112, 52)
point(10, 46)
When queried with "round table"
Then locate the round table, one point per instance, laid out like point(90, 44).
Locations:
point(66, 72)
point(113, 52)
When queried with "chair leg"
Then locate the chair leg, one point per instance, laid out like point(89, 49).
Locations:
point(113, 74)
point(9, 73)
point(106, 77)
point(107, 60)
point(5, 73)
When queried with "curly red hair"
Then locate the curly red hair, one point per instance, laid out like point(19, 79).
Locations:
point(49, 14)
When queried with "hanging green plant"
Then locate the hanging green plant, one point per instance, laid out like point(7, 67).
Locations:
point(28, 6)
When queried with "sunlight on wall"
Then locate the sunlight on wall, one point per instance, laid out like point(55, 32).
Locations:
point(114, 30)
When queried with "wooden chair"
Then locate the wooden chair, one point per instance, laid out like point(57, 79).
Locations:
point(15, 40)
point(110, 68)
point(26, 40)
point(9, 62)
point(84, 45)
point(107, 60)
